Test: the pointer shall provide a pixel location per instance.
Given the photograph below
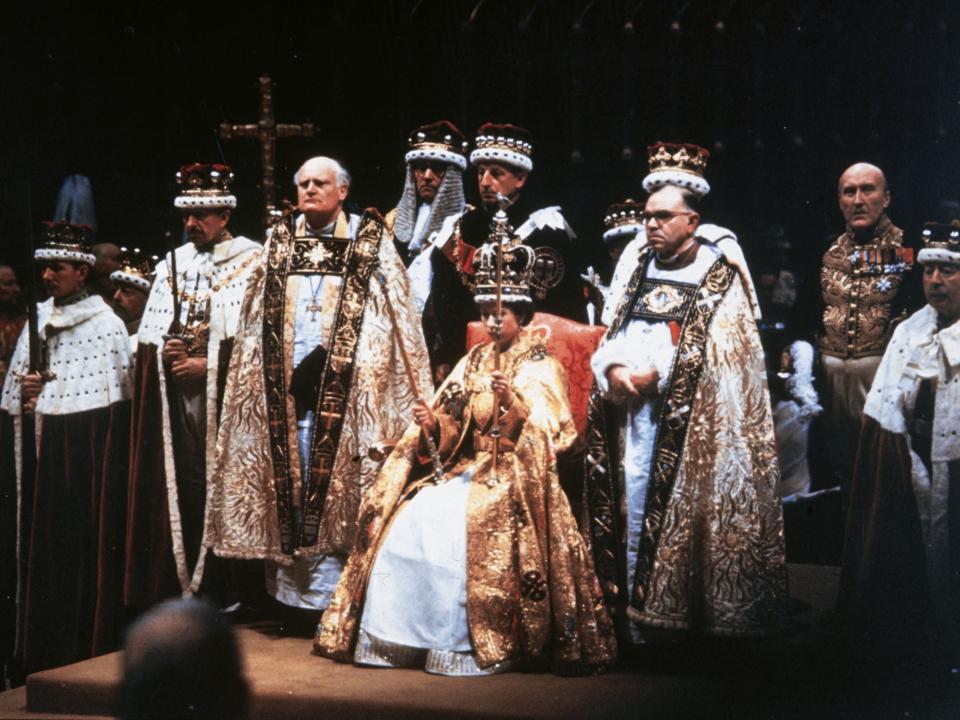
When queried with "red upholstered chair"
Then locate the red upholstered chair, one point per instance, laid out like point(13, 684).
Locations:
point(572, 344)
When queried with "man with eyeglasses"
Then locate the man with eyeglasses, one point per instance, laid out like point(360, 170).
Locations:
point(683, 366)
point(665, 171)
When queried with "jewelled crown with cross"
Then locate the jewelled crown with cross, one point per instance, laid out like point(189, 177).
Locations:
point(941, 243)
point(441, 141)
point(526, 273)
point(66, 242)
point(137, 269)
point(517, 266)
point(679, 164)
point(205, 186)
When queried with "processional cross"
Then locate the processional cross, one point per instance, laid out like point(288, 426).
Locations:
point(267, 131)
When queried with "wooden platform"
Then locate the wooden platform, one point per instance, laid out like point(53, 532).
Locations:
point(783, 677)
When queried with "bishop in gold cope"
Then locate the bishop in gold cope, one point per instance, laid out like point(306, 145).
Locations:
point(316, 386)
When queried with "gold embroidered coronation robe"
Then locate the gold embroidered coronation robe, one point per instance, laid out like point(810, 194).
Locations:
point(711, 554)
point(365, 396)
point(532, 594)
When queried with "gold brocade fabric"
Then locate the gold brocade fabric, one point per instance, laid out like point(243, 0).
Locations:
point(719, 565)
point(857, 313)
point(532, 594)
point(244, 519)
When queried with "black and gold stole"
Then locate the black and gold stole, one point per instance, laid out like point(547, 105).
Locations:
point(354, 261)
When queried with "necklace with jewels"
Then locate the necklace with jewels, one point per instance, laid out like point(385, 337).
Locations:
point(193, 297)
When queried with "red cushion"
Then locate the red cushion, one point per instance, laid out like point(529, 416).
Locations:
point(571, 343)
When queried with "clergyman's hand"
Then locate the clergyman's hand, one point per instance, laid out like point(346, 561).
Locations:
point(646, 383)
point(620, 380)
point(627, 385)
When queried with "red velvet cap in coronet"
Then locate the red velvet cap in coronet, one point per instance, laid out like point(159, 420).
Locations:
point(624, 218)
point(136, 269)
point(63, 241)
point(679, 164)
point(941, 243)
point(503, 143)
point(441, 141)
point(204, 186)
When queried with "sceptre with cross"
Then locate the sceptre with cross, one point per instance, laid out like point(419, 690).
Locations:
point(267, 131)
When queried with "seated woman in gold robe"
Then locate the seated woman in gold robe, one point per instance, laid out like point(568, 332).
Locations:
point(467, 564)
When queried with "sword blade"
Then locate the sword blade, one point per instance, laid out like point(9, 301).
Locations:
point(174, 285)
point(33, 331)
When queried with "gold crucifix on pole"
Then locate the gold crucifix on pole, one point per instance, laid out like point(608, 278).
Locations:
point(267, 131)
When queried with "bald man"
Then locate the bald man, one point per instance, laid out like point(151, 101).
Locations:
point(861, 279)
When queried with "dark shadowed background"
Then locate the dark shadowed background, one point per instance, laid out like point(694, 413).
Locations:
point(785, 95)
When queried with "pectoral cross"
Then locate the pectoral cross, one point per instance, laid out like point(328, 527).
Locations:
point(267, 131)
point(313, 309)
